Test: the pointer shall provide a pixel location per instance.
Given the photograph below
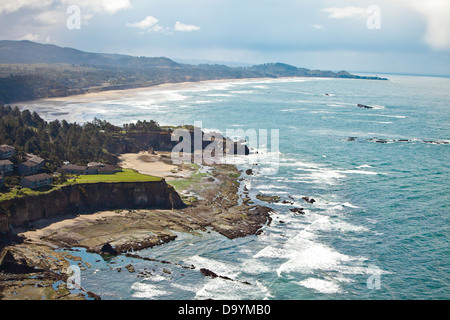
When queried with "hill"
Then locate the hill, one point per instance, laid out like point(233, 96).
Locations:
point(30, 70)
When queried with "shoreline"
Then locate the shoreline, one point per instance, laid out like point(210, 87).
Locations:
point(170, 86)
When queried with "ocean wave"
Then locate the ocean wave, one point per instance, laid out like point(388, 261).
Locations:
point(360, 172)
point(320, 176)
point(219, 267)
point(322, 286)
point(204, 101)
point(221, 289)
point(242, 91)
point(147, 291)
point(218, 95)
point(386, 115)
point(348, 204)
point(307, 257)
point(377, 107)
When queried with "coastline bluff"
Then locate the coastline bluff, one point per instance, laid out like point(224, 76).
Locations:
point(85, 199)
point(162, 141)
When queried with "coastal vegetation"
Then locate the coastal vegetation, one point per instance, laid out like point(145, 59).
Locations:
point(60, 141)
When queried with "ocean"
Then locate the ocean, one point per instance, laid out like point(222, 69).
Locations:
point(379, 228)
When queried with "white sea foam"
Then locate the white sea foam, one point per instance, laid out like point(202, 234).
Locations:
point(320, 176)
point(386, 115)
point(272, 252)
point(307, 256)
point(360, 172)
point(189, 288)
point(219, 267)
point(242, 91)
point(147, 291)
point(348, 204)
point(156, 278)
point(204, 101)
point(221, 289)
point(254, 266)
point(322, 286)
point(377, 107)
point(218, 95)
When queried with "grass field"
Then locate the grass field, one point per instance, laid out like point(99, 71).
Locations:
point(127, 175)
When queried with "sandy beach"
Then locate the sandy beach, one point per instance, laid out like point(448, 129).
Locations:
point(153, 164)
point(120, 94)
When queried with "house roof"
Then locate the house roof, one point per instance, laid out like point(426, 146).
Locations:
point(109, 167)
point(37, 177)
point(6, 148)
point(29, 164)
point(95, 164)
point(5, 162)
point(37, 160)
point(73, 167)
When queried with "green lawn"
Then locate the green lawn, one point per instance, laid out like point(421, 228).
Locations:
point(127, 175)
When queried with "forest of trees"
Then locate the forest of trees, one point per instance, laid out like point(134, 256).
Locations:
point(60, 141)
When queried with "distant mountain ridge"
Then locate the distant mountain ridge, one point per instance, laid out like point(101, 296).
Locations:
point(17, 52)
point(30, 70)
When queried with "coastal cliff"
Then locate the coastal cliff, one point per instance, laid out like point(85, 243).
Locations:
point(162, 141)
point(86, 198)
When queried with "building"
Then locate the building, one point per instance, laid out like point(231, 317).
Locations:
point(100, 168)
point(28, 167)
point(92, 168)
point(37, 181)
point(95, 164)
point(33, 165)
point(6, 151)
point(109, 169)
point(73, 169)
point(39, 161)
point(6, 166)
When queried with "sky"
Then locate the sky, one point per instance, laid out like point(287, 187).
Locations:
point(375, 36)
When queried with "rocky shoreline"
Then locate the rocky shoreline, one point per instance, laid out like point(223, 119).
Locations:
point(35, 268)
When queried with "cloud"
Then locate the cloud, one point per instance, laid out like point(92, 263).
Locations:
point(112, 6)
point(317, 26)
point(7, 6)
point(435, 12)
point(151, 24)
point(50, 17)
point(346, 12)
point(34, 37)
point(30, 37)
point(97, 6)
point(185, 27)
point(148, 24)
